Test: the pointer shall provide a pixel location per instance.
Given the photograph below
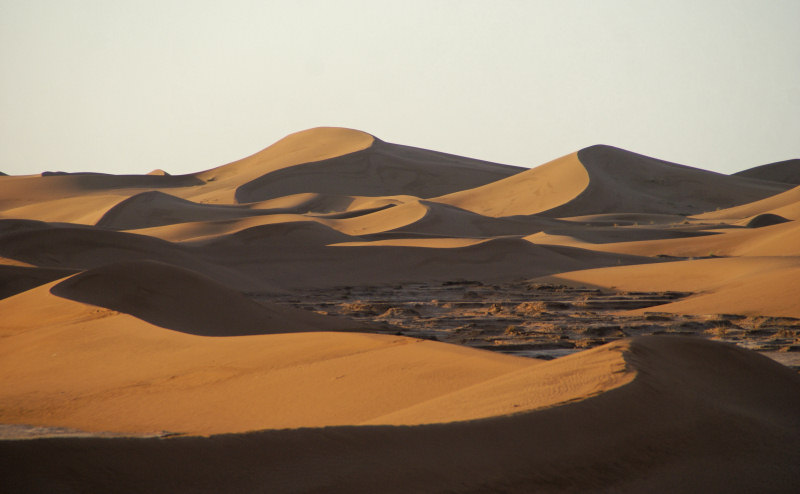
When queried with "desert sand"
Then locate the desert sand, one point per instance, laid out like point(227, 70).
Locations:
point(337, 313)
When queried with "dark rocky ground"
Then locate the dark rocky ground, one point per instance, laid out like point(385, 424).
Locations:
point(540, 320)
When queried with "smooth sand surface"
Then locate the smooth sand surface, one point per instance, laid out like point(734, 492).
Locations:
point(696, 416)
point(783, 171)
point(604, 179)
point(158, 305)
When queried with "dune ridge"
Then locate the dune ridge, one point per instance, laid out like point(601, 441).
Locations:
point(182, 300)
point(605, 179)
point(596, 443)
point(269, 325)
point(787, 171)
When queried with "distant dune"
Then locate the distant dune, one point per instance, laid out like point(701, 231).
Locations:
point(181, 300)
point(604, 179)
point(783, 171)
point(246, 328)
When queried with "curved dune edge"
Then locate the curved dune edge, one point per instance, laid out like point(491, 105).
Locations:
point(95, 369)
point(781, 239)
point(699, 416)
point(787, 171)
point(530, 192)
point(605, 179)
point(786, 204)
point(744, 285)
point(380, 169)
point(182, 300)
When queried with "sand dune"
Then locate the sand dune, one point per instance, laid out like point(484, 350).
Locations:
point(17, 279)
point(379, 170)
point(430, 218)
point(783, 171)
point(74, 247)
point(698, 416)
point(531, 192)
point(604, 179)
point(264, 256)
point(155, 208)
point(739, 285)
point(301, 147)
point(786, 204)
point(781, 239)
point(155, 305)
point(181, 300)
point(81, 210)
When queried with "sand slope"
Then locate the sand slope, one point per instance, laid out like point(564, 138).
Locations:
point(745, 285)
point(154, 208)
point(698, 416)
point(786, 204)
point(381, 169)
point(604, 179)
point(182, 300)
point(783, 171)
point(145, 304)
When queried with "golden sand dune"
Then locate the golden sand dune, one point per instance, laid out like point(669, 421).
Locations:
point(181, 300)
point(154, 208)
point(738, 285)
point(156, 305)
point(261, 253)
point(780, 239)
point(786, 205)
point(430, 218)
point(604, 179)
point(686, 415)
point(379, 170)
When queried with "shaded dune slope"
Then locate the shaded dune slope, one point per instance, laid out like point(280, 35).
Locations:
point(27, 188)
point(17, 279)
point(181, 300)
point(785, 204)
point(306, 146)
point(530, 192)
point(431, 218)
point(787, 172)
point(782, 238)
point(259, 253)
point(73, 247)
point(382, 169)
point(699, 416)
point(603, 179)
point(155, 208)
point(735, 285)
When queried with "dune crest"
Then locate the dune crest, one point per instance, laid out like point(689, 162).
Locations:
point(181, 300)
point(697, 415)
point(604, 179)
point(336, 313)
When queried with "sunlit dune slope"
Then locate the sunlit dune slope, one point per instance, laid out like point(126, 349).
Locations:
point(786, 204)
point(603, 179)
point(743, 285)
point(697, 415)
point(154, 208)
point(781, 239)
point(382, 169)
point(181, 300)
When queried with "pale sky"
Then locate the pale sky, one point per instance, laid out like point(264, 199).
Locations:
point(123, 86)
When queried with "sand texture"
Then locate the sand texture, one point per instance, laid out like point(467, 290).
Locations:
point(336, 313)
